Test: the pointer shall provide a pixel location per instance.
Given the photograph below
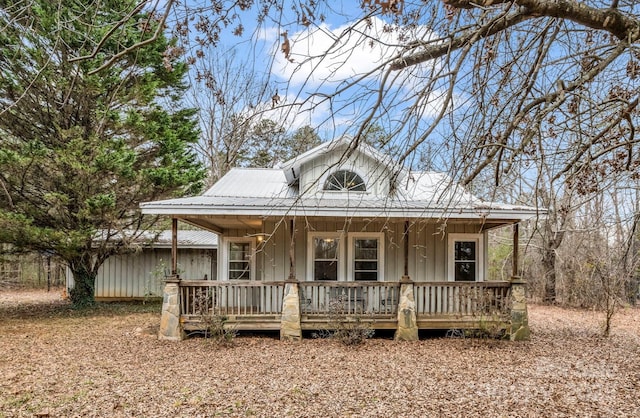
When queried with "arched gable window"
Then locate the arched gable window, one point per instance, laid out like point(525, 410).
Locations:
point(345, 181)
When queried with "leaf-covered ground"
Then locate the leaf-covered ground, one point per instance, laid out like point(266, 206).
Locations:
point(61, 363)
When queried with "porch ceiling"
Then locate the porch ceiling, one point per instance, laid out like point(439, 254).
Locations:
point(220, 224)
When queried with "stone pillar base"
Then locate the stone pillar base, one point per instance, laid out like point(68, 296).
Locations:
point(290, 329)
point(170, 328)
point(519, 330)
point(407, 324)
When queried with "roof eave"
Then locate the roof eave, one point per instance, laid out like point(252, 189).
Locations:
point(266, 211)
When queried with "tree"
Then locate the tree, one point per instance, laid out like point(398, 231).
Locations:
point(227, 93)
point(241, 126)
point(79, 149)
point(498, 71)
point(488, 87)
point(268, 144)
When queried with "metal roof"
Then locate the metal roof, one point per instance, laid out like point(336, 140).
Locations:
point(270, 192)
point(251, 182)
point(186, 239)
point(161, 239)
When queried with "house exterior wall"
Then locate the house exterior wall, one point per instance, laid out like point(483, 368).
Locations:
point(375, 175)
point(428, 256)
point(140, 275)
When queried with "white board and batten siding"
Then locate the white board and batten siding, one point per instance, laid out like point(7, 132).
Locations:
point(427, 247)
point(376, 176)
point(141, 274)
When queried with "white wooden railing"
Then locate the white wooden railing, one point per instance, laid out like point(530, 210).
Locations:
point(198, 297)
point(322, 298)
point(349, 298)
point(462, 298)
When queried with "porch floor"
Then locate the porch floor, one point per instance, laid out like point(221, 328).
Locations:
point(272, 322)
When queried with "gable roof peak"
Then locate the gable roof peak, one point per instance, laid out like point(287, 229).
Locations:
point(291, 168)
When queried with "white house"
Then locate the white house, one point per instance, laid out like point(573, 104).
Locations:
point(394, 245)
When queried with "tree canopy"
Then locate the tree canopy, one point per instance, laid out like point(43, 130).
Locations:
point(537, 97)
point(80, 151)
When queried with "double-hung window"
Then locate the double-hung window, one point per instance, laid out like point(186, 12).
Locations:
point(465, 257)
point(366, 256)
point(325, 256)
point(238, 259)
point(351, 256)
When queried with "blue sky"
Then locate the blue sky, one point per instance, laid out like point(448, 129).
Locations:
point(305, 80)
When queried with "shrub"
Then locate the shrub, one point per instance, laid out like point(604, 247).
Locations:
point(215, 326)
point(350, 330)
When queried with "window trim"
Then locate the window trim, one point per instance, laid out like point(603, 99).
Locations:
point(311, 253)
point(351, 253)
point(223, 268)
point(480, 266)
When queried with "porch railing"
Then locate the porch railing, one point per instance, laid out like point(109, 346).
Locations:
point(349, 298)
point(319, 298)
point(462, 298)
point(198, 297)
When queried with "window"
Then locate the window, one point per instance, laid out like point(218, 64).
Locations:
point(330, 258)
point(326, 257)
point(238, 260)
point(465, 257)
point(365, 256)
point(345, 181)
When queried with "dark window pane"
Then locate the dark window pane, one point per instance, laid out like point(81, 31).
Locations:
point(238, 251)
point(465, 272)
point(366, 249)
point(325, 248)
point(325, 270)
point(366, 275)
point(465, 250)
point(238, 274)
point(366, 254)
point(366, 265)
point(366, 243)
point(238, 265)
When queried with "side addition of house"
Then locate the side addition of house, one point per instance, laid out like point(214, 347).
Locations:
point(338, 226)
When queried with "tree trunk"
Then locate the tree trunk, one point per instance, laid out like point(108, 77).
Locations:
point(552, 238)
point(82, 294)
point(549, 268)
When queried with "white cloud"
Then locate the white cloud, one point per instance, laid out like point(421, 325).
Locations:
point(324, 56)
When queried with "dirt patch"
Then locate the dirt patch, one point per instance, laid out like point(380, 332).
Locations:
point(107, 362)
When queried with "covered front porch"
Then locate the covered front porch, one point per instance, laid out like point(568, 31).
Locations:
point(291, 306)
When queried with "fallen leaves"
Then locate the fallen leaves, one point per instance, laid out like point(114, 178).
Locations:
point(60, 363)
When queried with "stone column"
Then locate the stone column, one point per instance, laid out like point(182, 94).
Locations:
point(519, 318)
point(290, 329)
point(170, 328)
point(407, 323)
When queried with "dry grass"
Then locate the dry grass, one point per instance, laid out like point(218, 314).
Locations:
point(107, 363)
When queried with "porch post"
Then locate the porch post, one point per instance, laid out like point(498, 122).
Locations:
point(407, 324)
point(290, 329)
point(292, 250)
point(519, 318)
point(406, 249)
point(170, 328)
point(174, 247)
point(516, 240)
